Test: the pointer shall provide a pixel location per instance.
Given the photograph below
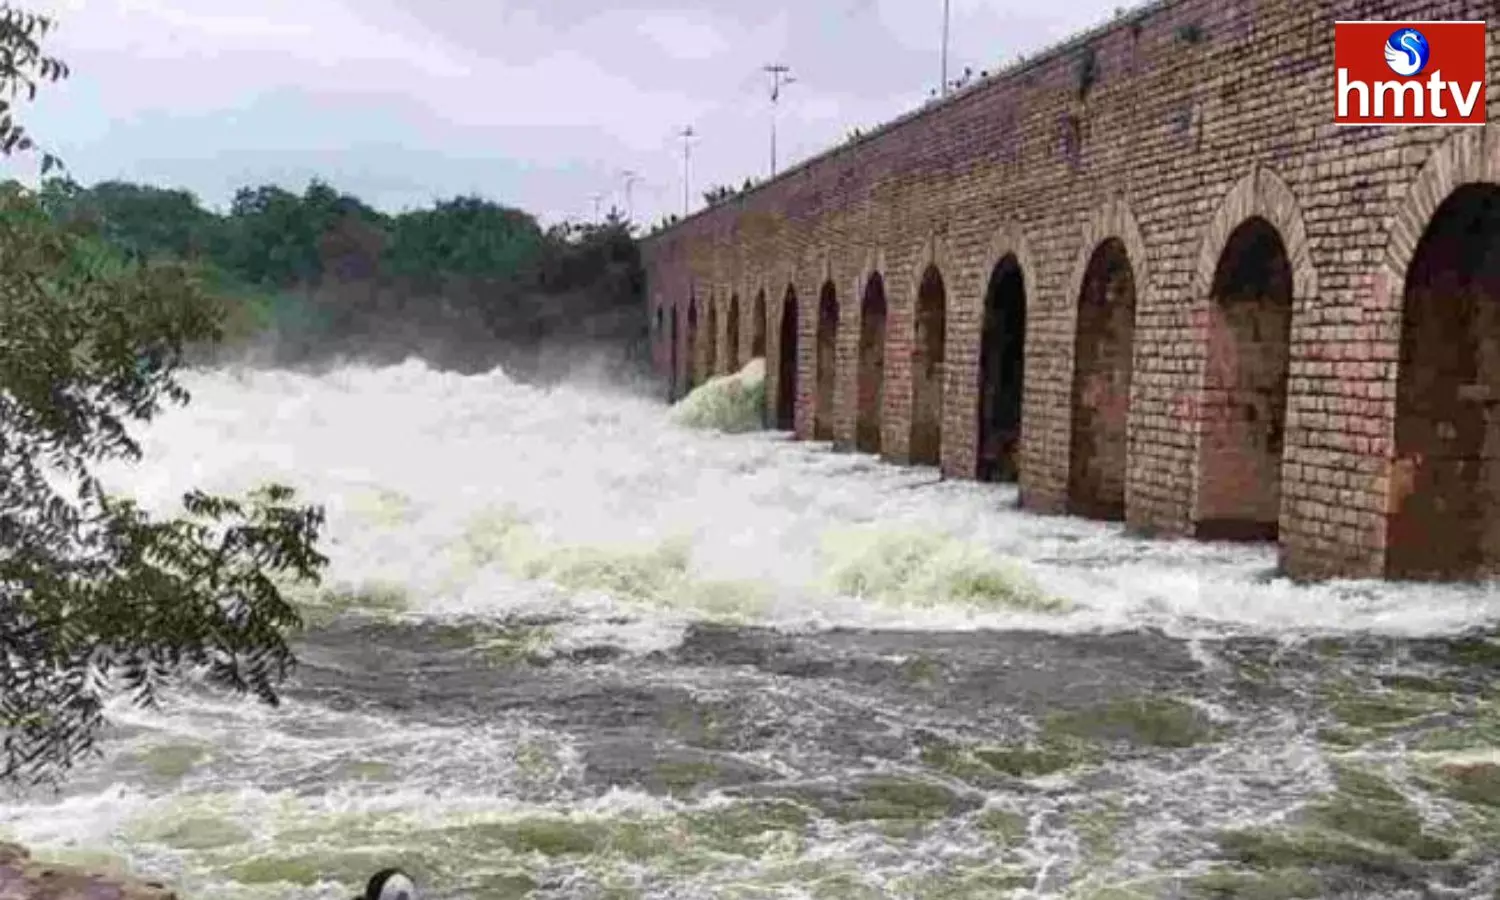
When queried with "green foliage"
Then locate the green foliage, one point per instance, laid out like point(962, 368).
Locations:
point(139, 219)
point(465, 236)
point(97, 596)
point(273, 237)
point(325, 272)
point(22, 68)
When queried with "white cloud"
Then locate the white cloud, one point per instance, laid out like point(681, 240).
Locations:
point(682, 35)
point(579, 89)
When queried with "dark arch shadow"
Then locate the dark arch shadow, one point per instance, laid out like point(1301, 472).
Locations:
point(1002, 358)
point(1103, 352)
point(1243, 407)
point(927, 356)
point(826, 376)
point(758, 327)
point(732, 338)
point(786, 381)
point(872, 316)
point(693, 354)
point(1445, 511)
point(675, 378)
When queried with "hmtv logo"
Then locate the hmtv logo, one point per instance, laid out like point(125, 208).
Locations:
point(1438, 67)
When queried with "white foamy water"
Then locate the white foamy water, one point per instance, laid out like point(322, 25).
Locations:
point(411, 463)
point(477, 496)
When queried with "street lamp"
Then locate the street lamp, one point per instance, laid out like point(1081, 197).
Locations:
point(780, 75)
point(945, 47)
point(687, 134)
point(631, 177)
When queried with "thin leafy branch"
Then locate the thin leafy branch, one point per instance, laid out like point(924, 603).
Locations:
point(97, 596)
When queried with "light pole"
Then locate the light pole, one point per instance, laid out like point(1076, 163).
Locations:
point(630, 179)
point(687, 135)
point(779, 76)
point(945, 48)
point(597, 199)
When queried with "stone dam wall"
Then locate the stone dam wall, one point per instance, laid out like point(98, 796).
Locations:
point(1146, 275)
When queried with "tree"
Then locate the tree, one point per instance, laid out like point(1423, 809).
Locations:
point(465, 236)
point(139, 218)
point(272, 237)
point(96, 595)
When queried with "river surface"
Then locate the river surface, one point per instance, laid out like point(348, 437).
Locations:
point(568, 649)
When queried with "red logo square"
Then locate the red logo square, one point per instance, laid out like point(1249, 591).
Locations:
point(1409, 73)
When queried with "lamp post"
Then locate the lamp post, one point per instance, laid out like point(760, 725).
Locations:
point(780, 76)
point(631, 177)
point(945, 48)
point(687, 135)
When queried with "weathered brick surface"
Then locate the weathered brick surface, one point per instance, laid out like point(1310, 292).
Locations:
point(1198, 115)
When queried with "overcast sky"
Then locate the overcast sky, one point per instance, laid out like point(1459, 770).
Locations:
point(536, 103)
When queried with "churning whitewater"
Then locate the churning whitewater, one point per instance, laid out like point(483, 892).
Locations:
point(570, 646)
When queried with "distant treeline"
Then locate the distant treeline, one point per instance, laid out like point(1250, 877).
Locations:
point(466, 283)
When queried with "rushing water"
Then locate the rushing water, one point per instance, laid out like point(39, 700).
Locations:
point(570, 648)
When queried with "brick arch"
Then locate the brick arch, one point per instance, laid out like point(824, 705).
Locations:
point(692, 335)
point(828, 317)
point(713, 325)
point(734, 315)
point(819, 265)
point(816, 269)
point(692, 321)
point(1467, 155)
point(933, 251)
point(1241, 404)
point(1263, 194)
point(867, 381)
point(784, 384)
point(659, 333)
point(1007, 240)
point(788, 382)
point(929, 389)
point(875, 261)
point(761, 301)
point(674, 349)
point(1440, 520)
point(1099, 433)
point(1112, 220)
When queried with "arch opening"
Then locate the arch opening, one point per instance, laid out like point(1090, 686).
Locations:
point(1103, 353)
point(786, 371)
point(927, 356)
point(692, 344)
point(825, 379)
point(871, 366)
point(1002, 357)
point(658, 342)
point(711, 341)
point(758, 327)
point(732, 338)
point(674, 376)
point(1243, 406)
point(1444, 519)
